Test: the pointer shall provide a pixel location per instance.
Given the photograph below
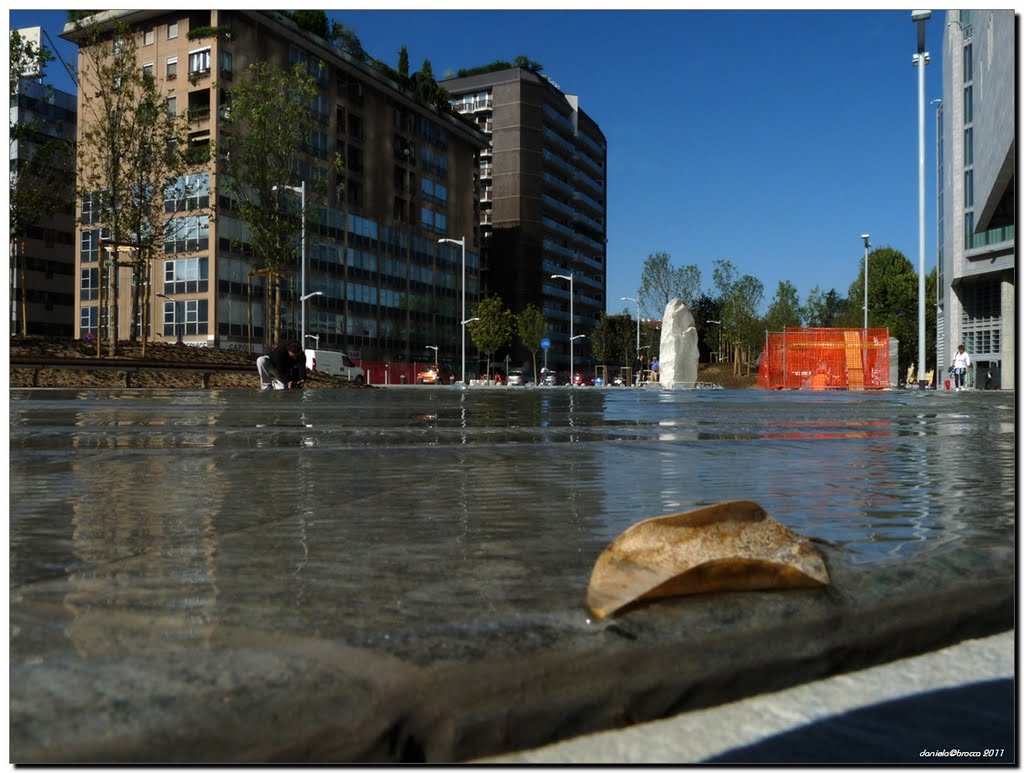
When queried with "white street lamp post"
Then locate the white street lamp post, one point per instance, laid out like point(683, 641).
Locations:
point(462, 243)
point(921, 58)
point(301, 190)
point(637, 322)
point(572, 360)
point(719, 323)
point(428, 346)
point(867, 246)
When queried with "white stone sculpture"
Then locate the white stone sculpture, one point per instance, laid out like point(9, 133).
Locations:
point(678, 348)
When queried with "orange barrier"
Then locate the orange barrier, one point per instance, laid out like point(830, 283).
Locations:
point(822, 358)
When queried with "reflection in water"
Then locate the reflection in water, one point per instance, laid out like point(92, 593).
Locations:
point(362, 513)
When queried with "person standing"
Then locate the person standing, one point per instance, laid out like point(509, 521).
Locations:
point(961, 364)
point(283, 368)
point(654, 367)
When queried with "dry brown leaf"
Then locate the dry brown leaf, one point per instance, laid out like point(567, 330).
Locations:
point(726, 546)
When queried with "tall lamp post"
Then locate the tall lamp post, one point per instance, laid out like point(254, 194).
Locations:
point(462, 243)
point(301, 190)
point(719, 323)
point(921, 58)
point(625, 298)
point(572, 360)
point(867, 246)
point(428, 346)
point(302, 301)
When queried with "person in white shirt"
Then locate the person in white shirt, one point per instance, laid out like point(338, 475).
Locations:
point(961, 362)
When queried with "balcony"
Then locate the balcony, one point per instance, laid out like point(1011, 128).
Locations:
point(565, 209)
point(579, 196)
point(558, 249)
point(556, 226)
point(558, 161)
point(594, 245)
point(559, 183)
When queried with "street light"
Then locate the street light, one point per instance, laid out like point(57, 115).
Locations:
point(572, 359)
point(177, 324)
point(921, 58)
point(464, 323)
point(301, 190)
point(305, 335)
point(428, 346)
point(637, 322)
point(719, 323)
point(462, 243)
point(867, 246)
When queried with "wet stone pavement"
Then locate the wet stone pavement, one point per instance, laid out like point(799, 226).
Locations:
point(399, 574)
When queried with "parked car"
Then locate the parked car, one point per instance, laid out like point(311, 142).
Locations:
point(579, 379)
point(550, 378)
point(516, 378)
point(334, 364)
point(435, 374)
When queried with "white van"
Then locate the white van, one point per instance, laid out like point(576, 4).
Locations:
point(334, 364)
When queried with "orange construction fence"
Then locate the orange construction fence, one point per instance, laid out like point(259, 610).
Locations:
point(825, 358)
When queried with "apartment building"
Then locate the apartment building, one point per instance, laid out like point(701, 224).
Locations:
point(543, 203)
point(43, 262)
point(976, 199)
point(388, 287)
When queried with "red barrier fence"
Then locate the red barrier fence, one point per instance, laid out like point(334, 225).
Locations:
point(825, 358)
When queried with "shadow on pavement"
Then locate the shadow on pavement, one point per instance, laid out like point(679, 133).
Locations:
point(972, 718)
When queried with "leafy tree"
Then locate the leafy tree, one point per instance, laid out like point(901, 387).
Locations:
point(784, 310)
point(822, 308)
point(660, 282)
point(403, 61)
point(892, 300)
point(493, 331)
point(314, 21)
point(346, 39)
point(425, 84)
point(531, 326)
point(704, 310)
point(739, 297)
point(613, 340)
point(268, 125)
point(129, 154)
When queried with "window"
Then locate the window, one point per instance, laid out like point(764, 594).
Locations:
point(172, 106)
point(968, 189)
point(968, 63)
point(190, 191)
point(968, 104)
point(225, 62)
point(87, 322)
point(90, 247)
point(92, 207)
point(199, 62)
point(147, 71)
point(89, 289)
point(968, 146)
point(186, 275)
point(187, 234)
point(172, 68)
point(187, 317)
point(148, 37)
point(172, 30)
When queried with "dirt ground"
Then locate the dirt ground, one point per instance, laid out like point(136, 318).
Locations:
point(42, 348)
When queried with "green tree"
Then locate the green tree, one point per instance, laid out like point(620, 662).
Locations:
point(493, 330)
point(613, 340)
point(129, 155)
point(531, 326)
point(892, 300)
point(739, 298)
point(784, 310)
point(660, 282)
point(824, 309)
point(707, 317)
point(346, 39)
point(268, 125)
point(314, 21)
point(403, 61)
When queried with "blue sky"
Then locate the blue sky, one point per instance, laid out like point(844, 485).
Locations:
point(769, 138)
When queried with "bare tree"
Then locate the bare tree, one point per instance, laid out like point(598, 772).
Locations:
point(131, 149)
